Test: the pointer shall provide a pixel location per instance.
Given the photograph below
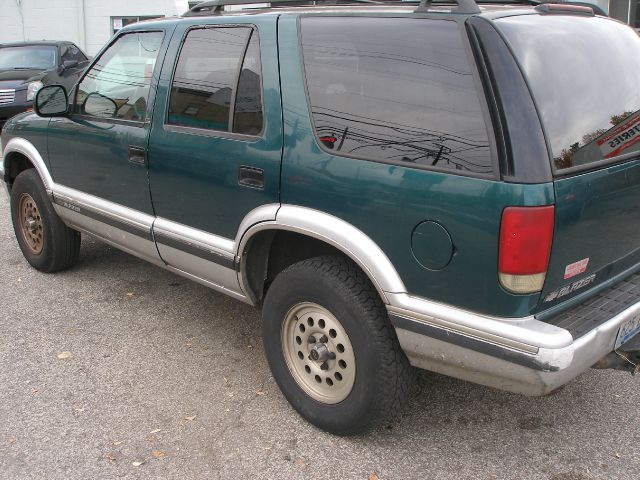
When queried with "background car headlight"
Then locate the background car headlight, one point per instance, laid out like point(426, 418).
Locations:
point(33, 88)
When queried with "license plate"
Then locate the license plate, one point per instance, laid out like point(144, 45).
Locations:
point(628, 330)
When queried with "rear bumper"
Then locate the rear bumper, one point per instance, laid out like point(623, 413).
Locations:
point(521, 355)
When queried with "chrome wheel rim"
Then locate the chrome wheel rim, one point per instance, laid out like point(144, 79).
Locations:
point(318, 352)
point(30, 224)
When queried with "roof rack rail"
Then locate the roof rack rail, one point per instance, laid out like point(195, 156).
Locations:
point(464, 6)
point(213, 7)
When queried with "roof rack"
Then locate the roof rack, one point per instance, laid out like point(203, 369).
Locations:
point(213, 7)
point(464, 6)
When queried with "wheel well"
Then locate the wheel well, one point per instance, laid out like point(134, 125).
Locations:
point(15, 164)
point(269, 252)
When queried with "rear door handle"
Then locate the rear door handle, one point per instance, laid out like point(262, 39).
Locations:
point(251, 177)
point(136, 155)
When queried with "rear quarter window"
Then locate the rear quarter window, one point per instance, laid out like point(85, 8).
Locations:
point(395, 90)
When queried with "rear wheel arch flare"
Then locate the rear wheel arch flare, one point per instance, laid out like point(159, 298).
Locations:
point(307, 241)
point(268, 252)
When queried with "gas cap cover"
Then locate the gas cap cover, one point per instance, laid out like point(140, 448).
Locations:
point(431, 245)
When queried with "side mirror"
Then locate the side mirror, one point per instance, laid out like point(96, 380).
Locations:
point(98, 105)
point(51, 101)
point(67, 64)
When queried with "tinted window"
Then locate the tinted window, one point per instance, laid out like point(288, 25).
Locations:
point(396, 90)
point(583, 73)
point(204, 83)
point(40, 57)
point(247, 116)
point(117, 86)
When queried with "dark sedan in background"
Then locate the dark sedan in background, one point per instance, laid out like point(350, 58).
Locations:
point(25, 67)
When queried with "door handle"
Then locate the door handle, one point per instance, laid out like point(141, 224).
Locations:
point(251, 177)
point(136, 155)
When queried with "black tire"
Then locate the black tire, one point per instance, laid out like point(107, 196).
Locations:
point(383, 376)
point(59, 245)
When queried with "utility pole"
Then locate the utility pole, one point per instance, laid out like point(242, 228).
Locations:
point(19, 5)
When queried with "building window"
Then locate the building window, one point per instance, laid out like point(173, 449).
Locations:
point(120, 22)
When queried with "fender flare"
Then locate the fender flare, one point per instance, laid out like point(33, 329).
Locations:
point(336, 232)
point(26, 148)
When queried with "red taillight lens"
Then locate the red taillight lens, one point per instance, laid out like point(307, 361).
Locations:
point(526, 235)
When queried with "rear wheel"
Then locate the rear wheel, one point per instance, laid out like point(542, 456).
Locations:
point(46, 242)
point(331, 347)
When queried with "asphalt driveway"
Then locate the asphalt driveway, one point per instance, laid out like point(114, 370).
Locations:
point(118, 369)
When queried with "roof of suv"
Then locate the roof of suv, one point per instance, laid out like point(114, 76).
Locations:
point(491, 9)
point(357, 7)
point(459, 7)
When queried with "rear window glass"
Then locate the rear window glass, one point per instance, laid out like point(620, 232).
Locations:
point(584, 75)
point(395, 90)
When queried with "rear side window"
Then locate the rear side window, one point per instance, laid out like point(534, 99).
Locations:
point(216, 85)
point(584, 75)
point(395, 90)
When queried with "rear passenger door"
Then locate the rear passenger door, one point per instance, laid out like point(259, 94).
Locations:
point(216, 140)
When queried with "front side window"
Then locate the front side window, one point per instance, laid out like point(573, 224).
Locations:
point(216, 85)
point(117, 86)
point(395, 90)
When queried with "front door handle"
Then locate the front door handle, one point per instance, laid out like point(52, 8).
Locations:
point(136, 155)
point(251, 177)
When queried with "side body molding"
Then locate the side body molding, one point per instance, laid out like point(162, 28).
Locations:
point(345, 237)
point(26, 148)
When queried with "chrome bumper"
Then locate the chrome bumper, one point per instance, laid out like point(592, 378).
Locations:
point(521, 355)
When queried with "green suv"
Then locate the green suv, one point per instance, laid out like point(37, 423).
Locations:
point(450, 187)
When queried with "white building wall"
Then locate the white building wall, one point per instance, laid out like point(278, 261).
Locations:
point(84, 22)
point(98, 14)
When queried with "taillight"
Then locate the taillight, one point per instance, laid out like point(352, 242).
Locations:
point(526, 234)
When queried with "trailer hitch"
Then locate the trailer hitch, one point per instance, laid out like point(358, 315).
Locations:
point(626, 357)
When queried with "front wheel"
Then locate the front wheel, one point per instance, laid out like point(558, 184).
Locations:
point(331, 347)
point(46, 242)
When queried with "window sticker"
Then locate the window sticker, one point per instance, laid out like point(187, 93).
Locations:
point(576, 268)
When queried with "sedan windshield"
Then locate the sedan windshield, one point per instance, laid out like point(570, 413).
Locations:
point(33, 57)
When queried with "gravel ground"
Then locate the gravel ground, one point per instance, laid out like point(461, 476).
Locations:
point(166, 379)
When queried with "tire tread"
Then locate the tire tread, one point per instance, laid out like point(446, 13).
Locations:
point(397, 376)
